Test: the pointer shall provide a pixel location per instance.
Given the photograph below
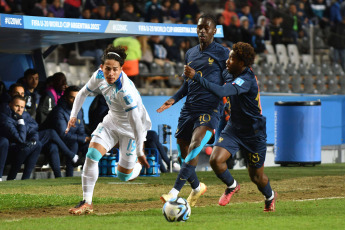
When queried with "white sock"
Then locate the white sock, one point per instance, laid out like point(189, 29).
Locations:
point(89, 178)
point(75, 158)
point(233, 184)
point(197, 189)
point(271, 196)
point(174, 192)
point(136, 171)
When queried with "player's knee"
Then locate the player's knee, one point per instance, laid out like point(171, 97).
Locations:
point(93, 154)
point(214, 161)
point(255, 178)
point(123, 176)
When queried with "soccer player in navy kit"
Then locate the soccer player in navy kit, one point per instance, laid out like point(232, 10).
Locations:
point(246, 128)
point(200, 113)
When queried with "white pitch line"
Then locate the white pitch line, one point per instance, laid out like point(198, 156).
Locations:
point(127, 183)
point(324, 198)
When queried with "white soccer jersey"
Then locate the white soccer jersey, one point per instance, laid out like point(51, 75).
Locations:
point(122, 97)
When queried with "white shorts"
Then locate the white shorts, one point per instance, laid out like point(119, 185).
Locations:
point(109, 138)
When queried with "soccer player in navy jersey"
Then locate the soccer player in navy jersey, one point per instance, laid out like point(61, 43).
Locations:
point(200, 113)
point(246, 128)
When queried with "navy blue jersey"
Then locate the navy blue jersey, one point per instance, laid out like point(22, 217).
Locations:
point(243, 92)
point(211, 65)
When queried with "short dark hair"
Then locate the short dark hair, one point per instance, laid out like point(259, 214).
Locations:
point(15, 97)
point(244, 52)
point(72, 88)
point(108, 54)
point(13, 86)
point(30, 72)
point(209, 17)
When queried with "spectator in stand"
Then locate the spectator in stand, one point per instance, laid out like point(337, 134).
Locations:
point(133, 51)
point(334, 12)
point(262, 22)
point(342, 9)
point(9, 6)
point(268, 8)
point(3, 154)
point(245, 11)
point(175, 13)
point(72, 8)
point(51, 96)
point(21, 130)
point(301, 13)
point(166, 11)
point(318, 8)
point(246, 34)
point(40, 9)
point(101, 12)
point(159, 51)
point(146, 52)
point(32, 97)
point(92, 48)
point(128, 13)
point(76, 139)
point(225, 41)
point(56, 9)
point(114, 13)
point(234, 32)
point(230, 14)
point(258, 42)
point(189, 7)
point(27, 6)
point(86, 14)
point(291, 26)
point(173, 54)
point(276, 30)
point(153, 10)
point(337, 41)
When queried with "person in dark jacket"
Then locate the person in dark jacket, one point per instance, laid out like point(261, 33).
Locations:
point(76, 139)
point(3, 154)
point(32, 97)
point(22, 132)
point(51, 96)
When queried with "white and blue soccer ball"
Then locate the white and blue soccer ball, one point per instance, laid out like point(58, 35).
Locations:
point(176, 210)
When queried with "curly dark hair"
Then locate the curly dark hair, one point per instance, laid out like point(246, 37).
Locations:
point(109, 54)
point(244, 52)
point(209, 17)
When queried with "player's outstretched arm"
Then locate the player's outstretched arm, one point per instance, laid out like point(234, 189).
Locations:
point(166, 105)
point(71, 123)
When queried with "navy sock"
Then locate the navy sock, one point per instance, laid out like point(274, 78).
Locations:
point(193, 180)
point(267, 190)
point(184, 174)
point(226, 177)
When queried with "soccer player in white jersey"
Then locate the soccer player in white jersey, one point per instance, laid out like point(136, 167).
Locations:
point(126, 123)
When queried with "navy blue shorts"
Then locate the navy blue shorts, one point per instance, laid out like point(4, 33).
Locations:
point(187, 122)
point(252, 146)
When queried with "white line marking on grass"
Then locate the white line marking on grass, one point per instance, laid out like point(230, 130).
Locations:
point(128, 183)
point(324, 198)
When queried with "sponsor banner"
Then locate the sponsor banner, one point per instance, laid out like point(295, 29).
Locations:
point(12, 21)
point(100, 26)
point(141, 28)
point(65, 24)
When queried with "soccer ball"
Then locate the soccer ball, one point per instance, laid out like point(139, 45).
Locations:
point(176, 209)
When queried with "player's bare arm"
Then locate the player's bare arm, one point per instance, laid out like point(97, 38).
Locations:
point(166, 105)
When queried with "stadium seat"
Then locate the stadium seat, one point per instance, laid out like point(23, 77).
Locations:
point(320, 83)
point(293, 54)
point(302, 69)
point(291, 69)
point(337, 70)
point(282, 54)
point(307, 60)
point(155, 69)
point(179, 68)
point(308, 83)
point(296, 82)
point(278, 69)
point(271, 59)
point(266, 69)
point(269, 48)
point(326, 69)
point(51, 68)
point(168, 69)
point(143, 70)
point(314, 70)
